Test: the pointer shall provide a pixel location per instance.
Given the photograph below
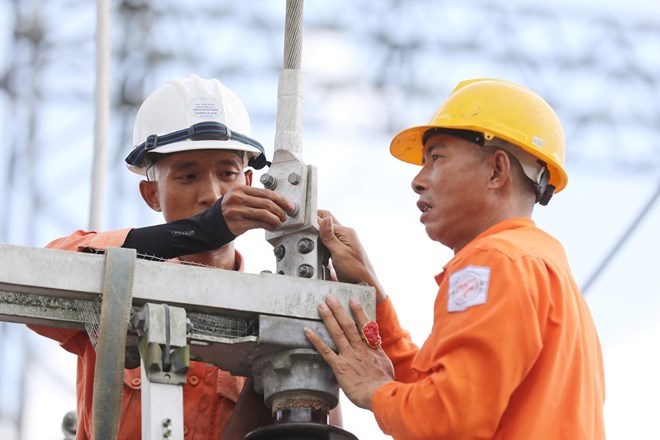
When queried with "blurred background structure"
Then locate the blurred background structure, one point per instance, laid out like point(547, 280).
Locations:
point(371, 69)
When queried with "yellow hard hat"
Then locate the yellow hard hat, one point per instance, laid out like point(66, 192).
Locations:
point(498, 109)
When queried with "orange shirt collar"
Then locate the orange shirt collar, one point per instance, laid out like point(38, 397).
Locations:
point(508, 224)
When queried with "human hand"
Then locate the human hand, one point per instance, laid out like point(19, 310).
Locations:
point(350, 261)
point(244, 207)
point(359, 369)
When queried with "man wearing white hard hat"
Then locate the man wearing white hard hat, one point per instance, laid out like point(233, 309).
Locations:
point(191, 142)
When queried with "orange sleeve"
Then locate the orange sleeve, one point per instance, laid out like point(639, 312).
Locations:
point(396, 342)
point(471, 363)
point(78, 241)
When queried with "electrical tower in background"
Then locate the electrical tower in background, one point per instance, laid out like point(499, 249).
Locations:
point(395, 59)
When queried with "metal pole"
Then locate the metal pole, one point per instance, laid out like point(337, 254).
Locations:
point(297, 385)
point(101, 112)
point(296, 244)
point(288, 131)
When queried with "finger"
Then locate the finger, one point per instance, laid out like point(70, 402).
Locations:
point(368, 328)
point(260, 198)
point(360, 315)
point(329, 237)
point(235, 205)
point(345, 321)
point(336, 331)
point(256, 217)
point(241, 220)
point(327, 231)
point(319, 344)
point(281, 208)
point(324, 213)
point(269, 194)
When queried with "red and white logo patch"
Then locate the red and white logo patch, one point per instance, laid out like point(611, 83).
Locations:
point(468, 287)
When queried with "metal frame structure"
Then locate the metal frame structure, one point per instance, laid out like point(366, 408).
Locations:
point(45, 282)
point(45, 287)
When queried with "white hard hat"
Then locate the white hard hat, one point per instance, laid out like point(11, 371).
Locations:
point(192, 114)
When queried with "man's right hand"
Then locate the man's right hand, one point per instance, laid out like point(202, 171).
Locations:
point(244, 207)
point(349, 259)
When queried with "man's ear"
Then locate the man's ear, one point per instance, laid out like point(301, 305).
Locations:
point(248, 177)
point(149, 191)
point(501, 169)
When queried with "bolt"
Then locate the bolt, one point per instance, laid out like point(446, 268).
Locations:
point(279, 252)
point(294, 178)
point(305, 246)
point(294, 211)
point(69, 425)
point(166, 421)
point(138, 321)
point(305, 271)
point(268, 181)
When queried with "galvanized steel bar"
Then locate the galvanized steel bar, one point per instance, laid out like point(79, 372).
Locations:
point(60, 275)
point(111, 347)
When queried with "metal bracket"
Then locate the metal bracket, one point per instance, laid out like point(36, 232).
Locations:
point(163, 346)
point(165, 360)
point(296, 245)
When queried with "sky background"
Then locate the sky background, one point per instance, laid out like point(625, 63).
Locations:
point(369, 72)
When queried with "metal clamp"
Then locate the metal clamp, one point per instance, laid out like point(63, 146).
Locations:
point(163, 347)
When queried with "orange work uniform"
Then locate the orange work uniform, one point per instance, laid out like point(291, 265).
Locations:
point(513, 353)
point(209, 394)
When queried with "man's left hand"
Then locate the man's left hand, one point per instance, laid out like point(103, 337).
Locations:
point(359, 369)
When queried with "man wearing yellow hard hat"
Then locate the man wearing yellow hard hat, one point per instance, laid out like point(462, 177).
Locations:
point(513, 353)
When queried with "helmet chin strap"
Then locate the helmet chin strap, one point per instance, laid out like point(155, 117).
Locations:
point(207, 130)
point(535, 170)
point(544, 191)
point(258, 162)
